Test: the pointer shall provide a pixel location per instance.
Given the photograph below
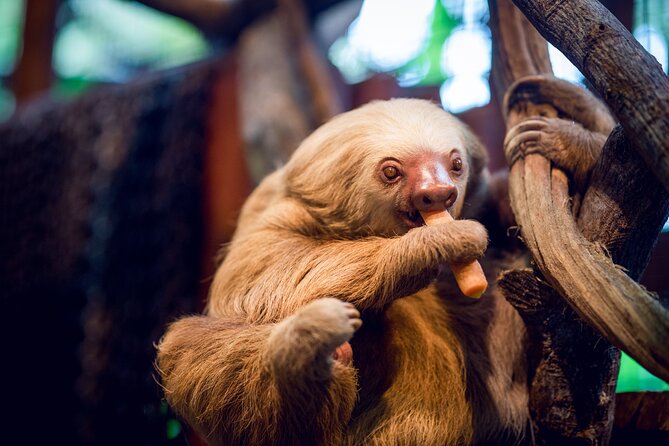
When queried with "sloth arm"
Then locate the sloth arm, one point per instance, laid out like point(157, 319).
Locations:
point(372, 272)
point(238, 383)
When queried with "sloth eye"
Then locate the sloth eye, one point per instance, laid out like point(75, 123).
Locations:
point(457, 164)
point(391, 173)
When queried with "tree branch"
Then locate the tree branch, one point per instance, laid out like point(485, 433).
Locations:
point(574, 371)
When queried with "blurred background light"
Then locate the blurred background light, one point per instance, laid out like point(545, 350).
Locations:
point(81, 50)
point(11, 24)
point(467, 52)
point(634, 378)
point(468, 10)
point(414, 74)
point(654, 42)
point(466, 58)
point(464, 92)
point(7, 103)
point(562, 67)
point(389, 33)
point(348, 61)
point(651, 28)
point(110, 40)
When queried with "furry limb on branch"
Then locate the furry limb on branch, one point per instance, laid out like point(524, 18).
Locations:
point(609, 57)
point(602, 294)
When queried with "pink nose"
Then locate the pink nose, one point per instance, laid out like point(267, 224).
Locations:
point(434, 197)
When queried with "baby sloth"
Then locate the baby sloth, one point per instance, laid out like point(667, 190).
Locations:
point(334, 239)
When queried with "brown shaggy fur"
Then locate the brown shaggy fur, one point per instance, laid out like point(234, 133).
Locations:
point(430, 366)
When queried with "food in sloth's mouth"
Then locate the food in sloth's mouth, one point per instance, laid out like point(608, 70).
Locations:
point(469, 276)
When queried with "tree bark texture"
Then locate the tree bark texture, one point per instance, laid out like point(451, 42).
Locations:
point(641, 418)
point(571, 398)
point(643, 411)
point(624, 207)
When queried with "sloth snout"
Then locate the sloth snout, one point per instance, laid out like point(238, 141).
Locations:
point(435, 197)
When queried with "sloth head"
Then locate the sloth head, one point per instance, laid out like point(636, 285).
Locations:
point(371, 170)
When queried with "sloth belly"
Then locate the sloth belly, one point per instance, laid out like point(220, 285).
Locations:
point(425, 376)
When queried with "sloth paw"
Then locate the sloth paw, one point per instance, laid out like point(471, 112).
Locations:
point(537, 135)
point(308, 342)
point(331, 323)
point(567, 144)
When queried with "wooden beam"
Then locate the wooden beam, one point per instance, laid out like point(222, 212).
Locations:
point(226, 19)
point(33, 73)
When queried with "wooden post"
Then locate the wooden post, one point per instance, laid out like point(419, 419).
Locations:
point(33, 72)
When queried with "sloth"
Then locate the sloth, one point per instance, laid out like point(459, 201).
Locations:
point(334, 318)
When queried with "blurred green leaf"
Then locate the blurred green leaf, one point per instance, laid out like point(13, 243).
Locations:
point(441, 27)
point(634, 378)
point(7, 103)
point(111, 40)
point(11, 24)
point(173, 429)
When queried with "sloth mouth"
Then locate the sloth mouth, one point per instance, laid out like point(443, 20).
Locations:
point(413, 219)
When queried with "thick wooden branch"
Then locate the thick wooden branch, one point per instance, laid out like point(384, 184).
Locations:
point(601, 293)
point(629, 79)
point(518, 50)
point(626, 220)
point(226, 19)
point(583, 274)
point(572, 372)
point(571, 400)
point(598, 291)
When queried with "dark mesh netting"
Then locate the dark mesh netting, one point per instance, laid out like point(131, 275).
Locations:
point(100, 230)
